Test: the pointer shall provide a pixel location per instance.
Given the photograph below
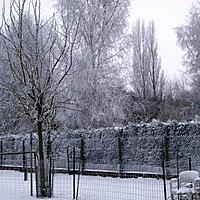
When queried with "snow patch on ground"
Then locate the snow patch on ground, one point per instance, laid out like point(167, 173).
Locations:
point(12, 187)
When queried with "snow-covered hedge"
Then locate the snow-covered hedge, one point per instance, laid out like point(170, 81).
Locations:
point(141, 143)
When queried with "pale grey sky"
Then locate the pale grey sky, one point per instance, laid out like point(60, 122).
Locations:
point(167, 15)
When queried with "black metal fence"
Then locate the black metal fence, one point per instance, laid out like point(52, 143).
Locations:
point(75, 181)
point(76, 175)
point(17, 173)
point(75, 178)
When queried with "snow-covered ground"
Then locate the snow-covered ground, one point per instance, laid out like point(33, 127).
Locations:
point(12, 187)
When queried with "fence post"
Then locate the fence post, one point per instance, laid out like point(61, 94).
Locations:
point(190, 164)
point(119, 147)
point(31, 164)
point(166, 148)
point(1, 151)
point(52, 180)
point(50, 170)
point(24, 161)
point(82, 154)
point(77, 188)
point(164, 180)
point(177, 171)
point(74, 173)
point(68, 167)
point(177, 168)
point(36, 174)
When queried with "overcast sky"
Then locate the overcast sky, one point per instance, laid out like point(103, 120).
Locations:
point(167, 15)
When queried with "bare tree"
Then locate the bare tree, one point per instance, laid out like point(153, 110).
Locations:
point(40, 56)
point(98, 62)
point(147, 77)
point(156, 76)
point(189, 40)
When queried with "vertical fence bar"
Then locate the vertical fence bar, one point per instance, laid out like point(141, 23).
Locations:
point(31, 174)
point(68, 167)
point(78, 181)
point(52, 180)
point(166, 147)
point(36, 174)
point(166, 144)
point(50, 170)
point(119, 147)
point(82, 155)
point(1, 151)
point(190, 163)
point(31, 164)
point(164, 180)
point(74, 178)
point(24, 161)
point(177, 171)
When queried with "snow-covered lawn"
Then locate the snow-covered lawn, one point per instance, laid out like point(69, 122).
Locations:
point(12, 187)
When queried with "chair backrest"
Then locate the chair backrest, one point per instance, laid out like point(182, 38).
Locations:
point(188, 176)
point(173, 184)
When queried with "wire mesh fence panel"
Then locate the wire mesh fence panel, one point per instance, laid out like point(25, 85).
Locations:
point(16, 174)
point(104, 177)
point(142, 168)
point(110, 176)
point(61, 180)
point(62, 186)
point(109, 188)
point(101, 181)
point(12, 184)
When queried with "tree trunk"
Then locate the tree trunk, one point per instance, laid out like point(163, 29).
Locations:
point(41, 161)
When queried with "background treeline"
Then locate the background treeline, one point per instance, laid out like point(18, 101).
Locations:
point(85, 67)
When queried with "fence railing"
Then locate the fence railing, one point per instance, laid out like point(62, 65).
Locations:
point(75, 175)
point(17, 172)
point(71, 181)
